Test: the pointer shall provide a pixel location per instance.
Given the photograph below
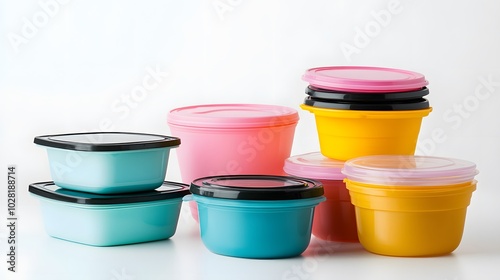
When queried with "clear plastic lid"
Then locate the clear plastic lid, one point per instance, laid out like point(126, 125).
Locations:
point(315, 166)
point(364, 79)
point(233, 116)
point(399, 170)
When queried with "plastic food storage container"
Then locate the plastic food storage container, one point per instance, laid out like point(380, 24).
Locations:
point(108, 220)
point(108, 162)
point(363, 110)
point(256, 216)
point(222, 139)
point(410, 205)
point(347, 134)
point(334, 219)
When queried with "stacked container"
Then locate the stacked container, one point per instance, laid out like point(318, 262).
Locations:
point(366, 110)
point(108, 188)
point(370, 117)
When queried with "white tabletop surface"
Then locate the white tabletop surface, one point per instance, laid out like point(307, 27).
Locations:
point(185, 257)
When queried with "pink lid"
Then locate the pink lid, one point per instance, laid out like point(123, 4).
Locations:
point(399, 170)
point(314, 166)
point(233, 116)
point(364, 79)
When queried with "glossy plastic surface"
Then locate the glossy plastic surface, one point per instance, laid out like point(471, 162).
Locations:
point(233, 115)
point(336, 95)
point(416, 104)
point(256, 229)
point(335, 219)
point(364, 79)
point(256, 187)
point(256, 140)
point(110, 225)
point(347, 134)
point(410, 221)
point(409, 170)
point(108, 172)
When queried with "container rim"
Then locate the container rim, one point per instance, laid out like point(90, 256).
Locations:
point(409, 170)
point(365, 96)
point(49, 190)
point(402, 105)
point(314, 165)
point(259, 205)
point(414, 199)
point(356, 114)
point(256, 187)
point(364, 79)
point(233, 115)
point(107, 141)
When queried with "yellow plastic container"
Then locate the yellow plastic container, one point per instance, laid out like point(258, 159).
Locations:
point(412, 222)
point(347, 134)
point(410, 206)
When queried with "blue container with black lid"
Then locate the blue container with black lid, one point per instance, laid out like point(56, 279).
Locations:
point(256, 216)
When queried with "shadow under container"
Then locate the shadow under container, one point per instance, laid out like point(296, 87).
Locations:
point(222, 139)
point(256, 216)
point(108, 162)
point(362, 110)
point(411, 206)
point(110, 220)
point(334, 219)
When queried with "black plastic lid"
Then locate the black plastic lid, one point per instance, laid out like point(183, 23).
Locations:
point(107, 141)
point(365, 97)
point(418, 104)
point(257, 187)
point(166, 191)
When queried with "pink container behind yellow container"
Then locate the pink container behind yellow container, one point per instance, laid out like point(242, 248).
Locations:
point(334, 219)
point(232, 139)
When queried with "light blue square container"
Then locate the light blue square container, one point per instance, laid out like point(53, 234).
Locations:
point(109, 220)
point(108, 162)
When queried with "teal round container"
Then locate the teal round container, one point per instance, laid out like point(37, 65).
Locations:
point(256, 216)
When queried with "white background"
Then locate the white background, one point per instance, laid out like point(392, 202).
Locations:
point(69, 67)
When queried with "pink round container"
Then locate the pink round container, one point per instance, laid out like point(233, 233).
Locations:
point(364, 79)
point(335, 218)
point(232, 139)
